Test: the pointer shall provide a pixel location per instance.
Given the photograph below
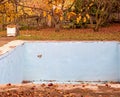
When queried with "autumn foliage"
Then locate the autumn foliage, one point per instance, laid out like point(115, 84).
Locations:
point(57, 13)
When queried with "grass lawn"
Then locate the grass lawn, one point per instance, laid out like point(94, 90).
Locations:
point(105, 33)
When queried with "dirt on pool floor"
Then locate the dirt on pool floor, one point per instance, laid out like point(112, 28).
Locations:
point(60, 90)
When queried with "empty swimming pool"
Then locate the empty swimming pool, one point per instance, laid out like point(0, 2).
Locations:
point(61, 62)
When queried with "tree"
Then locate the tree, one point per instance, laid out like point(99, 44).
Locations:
point(9, 12)
point(101, 11)
point(82, 9)
point(53, 11)
point(95, 12)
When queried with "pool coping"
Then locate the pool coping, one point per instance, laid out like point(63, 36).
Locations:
point(9, 46)
point(12, 44)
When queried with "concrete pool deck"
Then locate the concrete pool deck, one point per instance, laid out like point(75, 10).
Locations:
point(5, 40)
point(10, 45)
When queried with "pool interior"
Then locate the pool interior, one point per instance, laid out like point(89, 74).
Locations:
point(61, 62)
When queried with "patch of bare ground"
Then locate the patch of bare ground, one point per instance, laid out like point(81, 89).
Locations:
point(109, 33)
point(59, 90)
point(4, 40)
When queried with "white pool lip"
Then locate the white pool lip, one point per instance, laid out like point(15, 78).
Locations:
point(12, 44)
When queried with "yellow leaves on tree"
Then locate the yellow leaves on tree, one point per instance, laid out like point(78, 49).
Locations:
point(84, 19)
point(29, 11)
point(91, 4)
point(61, 18)
point(68, 17)
point(78, 19)
point(88, 16)
point(81, 10)
point(9, 11)
point(70, 14)
point(20, 11)
point(56, 10)
point(102, 9)
point(49, 17)
point(44, 14)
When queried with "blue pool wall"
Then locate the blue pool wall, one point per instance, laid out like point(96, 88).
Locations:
point(11, 66)
point(74, 61)
point(119, 59)
point(61, 61)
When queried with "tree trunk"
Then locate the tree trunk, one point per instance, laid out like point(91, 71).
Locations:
point(91, 22)
point(98, 23)
point(57, 27)
point(96, 28)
